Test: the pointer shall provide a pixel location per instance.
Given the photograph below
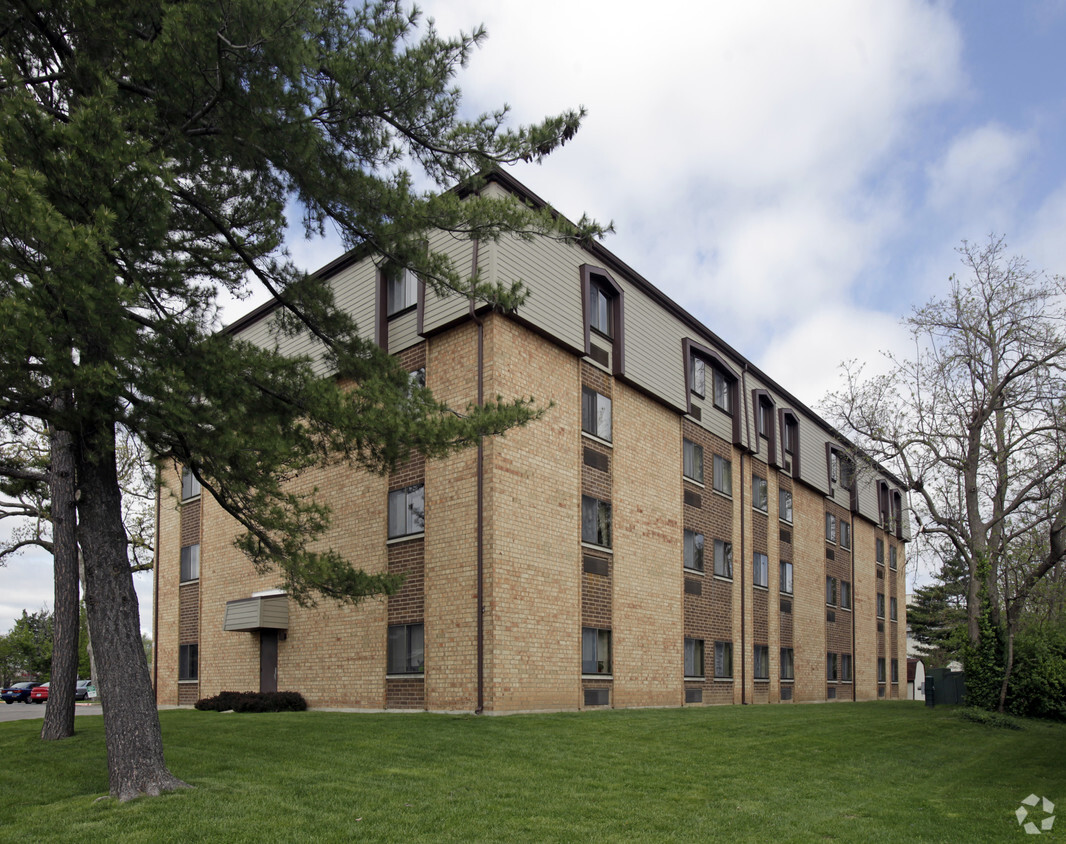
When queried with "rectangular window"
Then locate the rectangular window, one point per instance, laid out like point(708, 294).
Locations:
point(845, 667)
point(595, 651)
point(895, 670)
point(892, 608)
point(891, 556)
point(830, 527)
point(693, 461)
point(788, 669)
point(723, 558)
point(845, 534)
point(401, 290)
point(723, 475)
point(699, 377)
point(834, 466)
point(406, 649)
point(763, 423)
point(189, 662)
point(190, 563)
point(190, 487)
point(761, 570)
point(723, 660)
point(784, 505)
point(786, 577)
point(407, 511)
point(760, 496)
point(761, 665)
point(790, 433)
point(693, 550)
point(595, 414)
point(601, 312)
point(880, 604)
point(595, 521)
point(693, 657)
point(831, 591)
point(880, 669)
point(831, 667)
point(845, 595)
point(879, 549)
point(723, 392)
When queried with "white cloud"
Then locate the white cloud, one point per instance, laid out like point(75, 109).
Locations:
point(974, 179)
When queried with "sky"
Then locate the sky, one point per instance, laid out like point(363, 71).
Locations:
point(796, 175)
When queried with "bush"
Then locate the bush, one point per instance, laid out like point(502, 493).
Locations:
point(253, 702)
point(1038, 678)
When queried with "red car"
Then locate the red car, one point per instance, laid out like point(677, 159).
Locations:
point(39, 694)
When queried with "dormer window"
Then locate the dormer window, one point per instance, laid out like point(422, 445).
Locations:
point(791, 434)
point(601, 309)
point(401, 290)
point(764, 419)
point(723, 391)
point(699, 377)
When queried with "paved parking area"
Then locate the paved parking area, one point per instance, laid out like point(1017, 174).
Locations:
point(23, 711)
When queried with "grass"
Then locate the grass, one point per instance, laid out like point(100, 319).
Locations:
point(854, 772)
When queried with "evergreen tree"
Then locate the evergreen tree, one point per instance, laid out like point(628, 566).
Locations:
point(148, 152)
point(936, 614)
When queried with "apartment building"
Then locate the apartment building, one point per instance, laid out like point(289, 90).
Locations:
point(677, 530)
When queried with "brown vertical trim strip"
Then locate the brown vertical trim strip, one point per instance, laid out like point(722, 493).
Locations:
point(420, 308)
point(155, 590)
point(480, 501)
point(381, 330)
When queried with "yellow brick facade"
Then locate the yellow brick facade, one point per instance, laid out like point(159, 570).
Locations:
point(533, 565)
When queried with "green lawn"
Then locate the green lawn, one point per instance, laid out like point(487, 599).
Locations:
point(853, 772)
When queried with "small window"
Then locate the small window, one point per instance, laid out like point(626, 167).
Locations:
point(761, 665)
point(788, 669)
point(693, 657)
point(879, 548)
point(189, 662)
point(880, 669)
point(699, 377)
point(595, 414)
point(831, 591)
point(723, 660)
point(693, 550)
point(693, 461)
point(406, 649)
point(790, 435)
point(892, 609)
point(595, 651)
point(401, 290)
point(190, 563)
point(895, 670)
point(845, 534)
point(596, 521)
point(845, 595)
point(601, 310)
point(407, 511)
point(761, 569)
point(723, 558)
point(784, 505)
point(723, 475)
point(190, 486)
point(847, 473)
point(891, 556)
point(845, 667)
point(786, 577)
point(723, 391)
point(764, 419)
point(880, 604)
point(834, 466)
point(831, 667)
point(760, 497)
point(830, 528)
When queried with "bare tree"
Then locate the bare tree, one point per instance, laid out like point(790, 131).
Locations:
point(975, 422)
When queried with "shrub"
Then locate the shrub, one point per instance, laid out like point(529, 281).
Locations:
point(253, 702)
point(1038, 678)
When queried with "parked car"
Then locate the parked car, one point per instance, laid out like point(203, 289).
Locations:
point(81, 691)
point(17, 691)
point(39, 694)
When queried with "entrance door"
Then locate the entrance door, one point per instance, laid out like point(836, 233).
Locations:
point(268, 660)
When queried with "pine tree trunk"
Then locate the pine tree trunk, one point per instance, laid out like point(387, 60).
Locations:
point(59, 714)
point(131, 723)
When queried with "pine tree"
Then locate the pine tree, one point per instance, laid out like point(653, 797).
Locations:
point(936, 614)
point(149, 151)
